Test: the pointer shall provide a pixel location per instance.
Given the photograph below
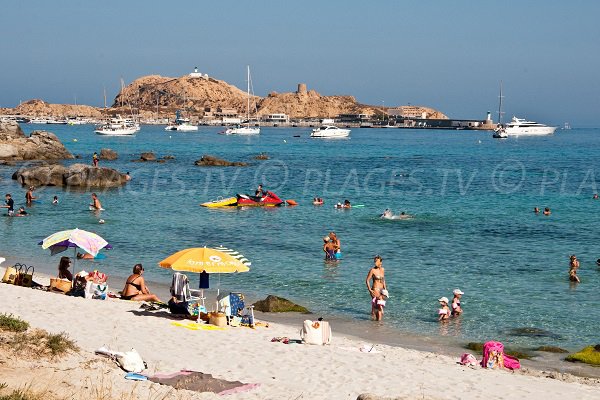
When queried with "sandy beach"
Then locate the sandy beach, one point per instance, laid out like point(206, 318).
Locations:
point(289, 371)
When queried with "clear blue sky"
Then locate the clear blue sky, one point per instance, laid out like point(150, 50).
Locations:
point(450, 55)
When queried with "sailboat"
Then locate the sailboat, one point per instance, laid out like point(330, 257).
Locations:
point(500, 131)
point(245, 129)
point(117, 126)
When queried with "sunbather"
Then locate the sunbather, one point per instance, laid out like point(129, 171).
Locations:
point(135, 287)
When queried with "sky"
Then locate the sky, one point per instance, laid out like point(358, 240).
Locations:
point(449, 55)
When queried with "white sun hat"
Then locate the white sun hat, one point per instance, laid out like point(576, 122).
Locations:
point(443, 300)
point(458, 291)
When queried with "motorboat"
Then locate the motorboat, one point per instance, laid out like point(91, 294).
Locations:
point(520, 126)
point(118, 127)
point(245, 128)
point(329, 131)
point(269, 199)
point(242, 130)
point(181, 124)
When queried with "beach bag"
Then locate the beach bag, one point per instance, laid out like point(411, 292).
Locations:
point(315, 332)
point(25, 278)
point(131, 361)
point(61, 285)
point(96, 291)
point(10, 275)
point(493, 355)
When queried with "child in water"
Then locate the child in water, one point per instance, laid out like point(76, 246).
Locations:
point(55, 200)
point(444, 311)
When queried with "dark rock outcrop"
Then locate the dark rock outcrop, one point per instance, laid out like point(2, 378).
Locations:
point(212, 161)
point(278, 304)
point(261, 156)
point(108, 154)
point(148, 156)
point(76, 175)
point(40, 145)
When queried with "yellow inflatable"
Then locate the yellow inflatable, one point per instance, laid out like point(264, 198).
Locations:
point(230, 201)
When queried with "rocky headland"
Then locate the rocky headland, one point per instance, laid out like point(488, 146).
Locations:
point(76, 175)
point(40, 145)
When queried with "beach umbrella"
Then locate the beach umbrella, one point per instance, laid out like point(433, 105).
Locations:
point(77, 238)
point(206, 260)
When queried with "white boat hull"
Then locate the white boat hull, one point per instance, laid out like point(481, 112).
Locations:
point(533, 130)
point(116, 132)
point(330, 132)
point(186, 128)
point(245, 130)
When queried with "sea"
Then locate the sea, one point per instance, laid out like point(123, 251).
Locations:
point(470, 197)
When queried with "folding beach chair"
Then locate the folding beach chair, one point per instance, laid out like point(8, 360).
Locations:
point(180, 289)
point(234, 307)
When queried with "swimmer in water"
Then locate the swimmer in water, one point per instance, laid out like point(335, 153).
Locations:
point(536, 210)
point(96, 205)
point(55, 200)
point(547, 211)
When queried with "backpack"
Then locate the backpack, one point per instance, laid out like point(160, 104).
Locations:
point(493, 355)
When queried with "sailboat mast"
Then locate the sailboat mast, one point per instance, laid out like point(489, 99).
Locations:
point(500, 106)
point(248, 100)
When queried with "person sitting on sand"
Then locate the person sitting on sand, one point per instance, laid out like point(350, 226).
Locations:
point(444, 311)
point(456, 309)
point(536, 210)
point(29, 197)
point(96, 205)
point(376, 275)
point(135, 287)
point(573, 267)
point(63, 269)
point(547, 211)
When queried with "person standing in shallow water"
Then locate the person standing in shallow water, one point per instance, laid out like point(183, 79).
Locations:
point(376, 285)
point(573, 267)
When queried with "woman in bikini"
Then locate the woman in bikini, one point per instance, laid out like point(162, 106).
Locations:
point(135, 287)
point(377, 276)
point(573, 267)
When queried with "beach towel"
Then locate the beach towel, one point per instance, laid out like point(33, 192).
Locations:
point(200, 382)
point(195, 326)
point(180, 288)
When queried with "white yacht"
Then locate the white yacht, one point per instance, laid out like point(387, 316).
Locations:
point(520, 126)
point(118, 127)
point(329, 131)
point(245, 129)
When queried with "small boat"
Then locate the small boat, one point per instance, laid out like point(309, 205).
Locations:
point(520, 126)
point(117, 127)
point(181, 124)
point(500, 132)
point(329, 131)
point(245, 129)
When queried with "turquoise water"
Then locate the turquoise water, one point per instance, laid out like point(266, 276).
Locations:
point(471, 196)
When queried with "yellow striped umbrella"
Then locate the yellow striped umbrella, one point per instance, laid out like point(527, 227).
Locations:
point(204, 259)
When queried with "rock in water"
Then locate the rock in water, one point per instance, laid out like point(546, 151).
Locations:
point(278, 304)
point(108, 154)
point(212, 161)
point(40, 145)
point(76, 175)
point(148, 156)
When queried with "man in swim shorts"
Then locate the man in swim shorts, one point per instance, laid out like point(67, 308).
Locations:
point(10, 204)
point(95, 202)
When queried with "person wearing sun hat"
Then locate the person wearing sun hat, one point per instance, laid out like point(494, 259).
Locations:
point(444, 311)
point(456, 310)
